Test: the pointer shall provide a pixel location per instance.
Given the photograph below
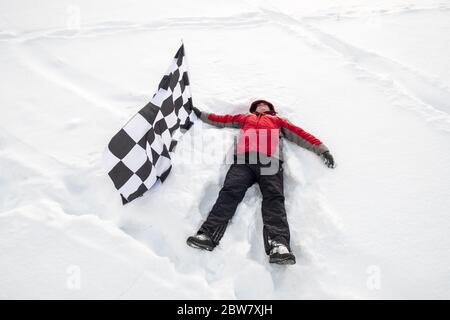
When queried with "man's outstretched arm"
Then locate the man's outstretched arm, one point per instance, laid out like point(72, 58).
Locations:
point(221, 121)
point(306, 140)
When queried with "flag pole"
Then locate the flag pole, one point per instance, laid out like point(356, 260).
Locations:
point(185, 56)
point(187, 65)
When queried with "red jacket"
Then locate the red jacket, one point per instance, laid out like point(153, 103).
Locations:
point(261, 132)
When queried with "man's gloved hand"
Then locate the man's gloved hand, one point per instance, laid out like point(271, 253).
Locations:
point(196, 111)
point(328, 159)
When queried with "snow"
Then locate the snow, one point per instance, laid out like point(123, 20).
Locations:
point(369, 79)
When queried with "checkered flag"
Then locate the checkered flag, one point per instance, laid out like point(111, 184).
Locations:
point(139, 155)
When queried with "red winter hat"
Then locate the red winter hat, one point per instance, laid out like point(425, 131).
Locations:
point(255, 103)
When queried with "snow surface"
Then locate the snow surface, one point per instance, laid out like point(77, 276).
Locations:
point(369, 78)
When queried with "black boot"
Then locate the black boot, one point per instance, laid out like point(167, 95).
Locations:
point(280, 254)
point(201, 241)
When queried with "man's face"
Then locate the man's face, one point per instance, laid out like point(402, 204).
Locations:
point(262, 107)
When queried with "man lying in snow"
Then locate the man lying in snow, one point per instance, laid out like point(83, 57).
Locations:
point(257, 150)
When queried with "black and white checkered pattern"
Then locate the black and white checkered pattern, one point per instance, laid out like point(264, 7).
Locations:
point(139, 155)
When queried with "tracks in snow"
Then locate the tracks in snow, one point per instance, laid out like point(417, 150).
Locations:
point(406, 81)
point(431, 96)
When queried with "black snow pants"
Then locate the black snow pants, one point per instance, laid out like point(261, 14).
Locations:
point(239, 178)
